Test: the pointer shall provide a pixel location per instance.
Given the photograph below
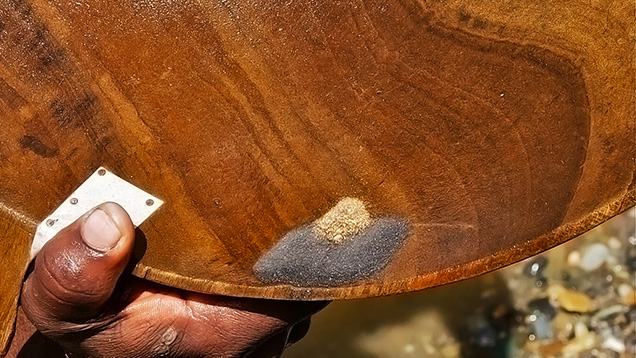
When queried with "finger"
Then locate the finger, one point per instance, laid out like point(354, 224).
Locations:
point(76, 272)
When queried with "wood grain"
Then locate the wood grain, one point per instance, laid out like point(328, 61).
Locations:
point(15, 240)
point(497, 129)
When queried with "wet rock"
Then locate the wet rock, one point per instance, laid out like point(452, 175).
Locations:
point(541, 326)
point(535, 267)
point(583, 340)
point(571, 301)
point(543, 306)
point(574, 258)
point(627, 294)
point(575, 278)
point(482, 334)
point(614, 344)
point(486, 337)
point(563, 324)
point(631, 315)
point(594, 257)
point(608, 314)
point(614, 244)
point(552, 349)
point(630, 345)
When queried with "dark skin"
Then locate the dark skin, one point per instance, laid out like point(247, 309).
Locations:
point(79, 296)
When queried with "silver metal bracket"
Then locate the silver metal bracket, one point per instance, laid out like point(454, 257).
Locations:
point(102, 186)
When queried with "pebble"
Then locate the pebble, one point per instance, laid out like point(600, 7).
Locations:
point(535, 267)
point(571, 301)
point(597, 286)
point(451, 351)
point(627, 294)
point(543, 306)
point(552, 349)
point(541, 326)
point(574, 258)
point(594, 257)
point(575, 278)
point(583, 340)
point(611, 262)
point(482, 334)
point(563, 324)
point(631, 315)
point(630, 344)
point(614, 243)
point(608, 314)
point(614, 344)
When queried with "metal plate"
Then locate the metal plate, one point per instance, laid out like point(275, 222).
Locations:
point(103, 186)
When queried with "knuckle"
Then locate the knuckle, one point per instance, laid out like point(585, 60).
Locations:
point(62, 276)
point(67, 275)
point(56, 291)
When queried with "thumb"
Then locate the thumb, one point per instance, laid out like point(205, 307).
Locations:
point(76, 272)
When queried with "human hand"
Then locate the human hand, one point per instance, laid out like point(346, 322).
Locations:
point(75, 296)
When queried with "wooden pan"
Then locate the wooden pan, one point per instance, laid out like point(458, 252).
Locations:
point(321, 149)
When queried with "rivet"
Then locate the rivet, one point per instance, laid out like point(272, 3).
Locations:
point(150, 202)
point(73, 201)
point(101, 172)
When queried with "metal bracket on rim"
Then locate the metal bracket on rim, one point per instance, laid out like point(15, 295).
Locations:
point(102, 186)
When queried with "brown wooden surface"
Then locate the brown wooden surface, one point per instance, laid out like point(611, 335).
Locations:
point(15, 240)
point(496, 129)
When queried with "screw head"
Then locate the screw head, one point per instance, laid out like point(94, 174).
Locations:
point(150, 202)
point(73, 201)
point(50, 222)
point(101, 172)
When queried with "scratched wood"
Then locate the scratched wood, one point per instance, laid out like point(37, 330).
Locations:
point(497, 129)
